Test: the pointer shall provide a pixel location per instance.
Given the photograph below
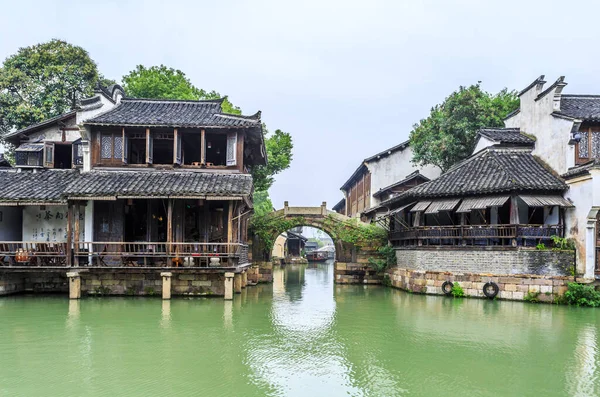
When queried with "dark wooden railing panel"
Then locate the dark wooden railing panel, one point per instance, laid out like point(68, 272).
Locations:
point(474, 234)
point(13, 253)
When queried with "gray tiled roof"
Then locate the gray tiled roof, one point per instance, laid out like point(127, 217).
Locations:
point(584, 107)
point(582, 169)
point(159, 183)
point(38, 186)
point(173, 113)
point(506, 135)
point(490, 171)
point(408, 178)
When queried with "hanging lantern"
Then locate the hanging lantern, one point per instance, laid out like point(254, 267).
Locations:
point(21, 255)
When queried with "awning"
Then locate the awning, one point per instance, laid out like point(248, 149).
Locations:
point(479, 203)
point(420, 206)
point(442, 205)
point(30, 147)
point(546, 201)
point(396, 210)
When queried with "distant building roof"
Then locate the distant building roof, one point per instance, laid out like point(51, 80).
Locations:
point(492, 170)
point(409, 177)
point(159, 184)
point(173, 113)
point(35, 186)
point(581, 169)
point(340, 205)
point(511, 136)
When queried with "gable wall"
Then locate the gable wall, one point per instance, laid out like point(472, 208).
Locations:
point(393, 168)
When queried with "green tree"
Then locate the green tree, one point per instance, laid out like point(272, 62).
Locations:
point(262, 203)
point(448, 134)
point(43, 81)
point(279, 147)
point(161, 82)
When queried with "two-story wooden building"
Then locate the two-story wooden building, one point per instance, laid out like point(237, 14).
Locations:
point(125, 182)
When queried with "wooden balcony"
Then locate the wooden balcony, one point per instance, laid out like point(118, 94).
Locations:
point(119, 254)
point(476, 235)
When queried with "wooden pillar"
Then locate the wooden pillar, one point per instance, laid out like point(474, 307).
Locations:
point(202, 147)
point(514, 216)
point(69, 249)
point(76, 232)
point(230, 222)
point(169, 224)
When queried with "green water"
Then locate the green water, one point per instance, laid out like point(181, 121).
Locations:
point(301, 336)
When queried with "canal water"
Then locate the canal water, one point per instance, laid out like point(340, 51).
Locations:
point(301, 336)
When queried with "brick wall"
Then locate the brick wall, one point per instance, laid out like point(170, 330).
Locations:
point(511, 286)
point(487, 260)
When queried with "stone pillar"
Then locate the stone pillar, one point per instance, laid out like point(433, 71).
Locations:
point(166, 284)
point(229, 286)
point(237, 283)
point(589, 266)
point(245, 279)
point(74, 285)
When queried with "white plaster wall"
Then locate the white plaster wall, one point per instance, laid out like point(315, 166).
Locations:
point(10, 224)
point(54, 134)
point(551, 215)
point(581, 192)
point(482, 143)
point(107, 105)
point(552, 134)
point(48, 225)
point(393, 168)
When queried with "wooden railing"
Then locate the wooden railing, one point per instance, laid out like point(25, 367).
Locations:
point(33, 253)
point(14, 253)
point(476, 235)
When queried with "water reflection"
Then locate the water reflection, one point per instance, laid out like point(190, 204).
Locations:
point(301, 335)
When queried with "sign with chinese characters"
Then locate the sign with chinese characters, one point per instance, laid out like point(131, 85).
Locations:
point(48, 224)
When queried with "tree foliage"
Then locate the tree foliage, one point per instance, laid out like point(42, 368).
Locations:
point(279, 147)
point(44, 81)
point(448, 134)
point(161, 82)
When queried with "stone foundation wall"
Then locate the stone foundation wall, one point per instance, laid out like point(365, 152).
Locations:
point(11, 284)
point(355, 273)
point(511, 286)
point(495, 260)
point(264, 272)
point(46, 282)
point(150, 283)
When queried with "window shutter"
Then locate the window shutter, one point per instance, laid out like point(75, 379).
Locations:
point(49, 155)
point(231, 148)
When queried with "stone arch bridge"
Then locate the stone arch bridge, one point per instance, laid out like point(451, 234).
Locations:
point(351, 262)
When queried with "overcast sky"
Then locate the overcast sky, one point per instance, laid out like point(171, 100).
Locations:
point(346, 78)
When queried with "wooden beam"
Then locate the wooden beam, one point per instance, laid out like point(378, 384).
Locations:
point(202, 147)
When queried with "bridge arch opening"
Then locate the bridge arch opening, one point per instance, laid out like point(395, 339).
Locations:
point(303, 243)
